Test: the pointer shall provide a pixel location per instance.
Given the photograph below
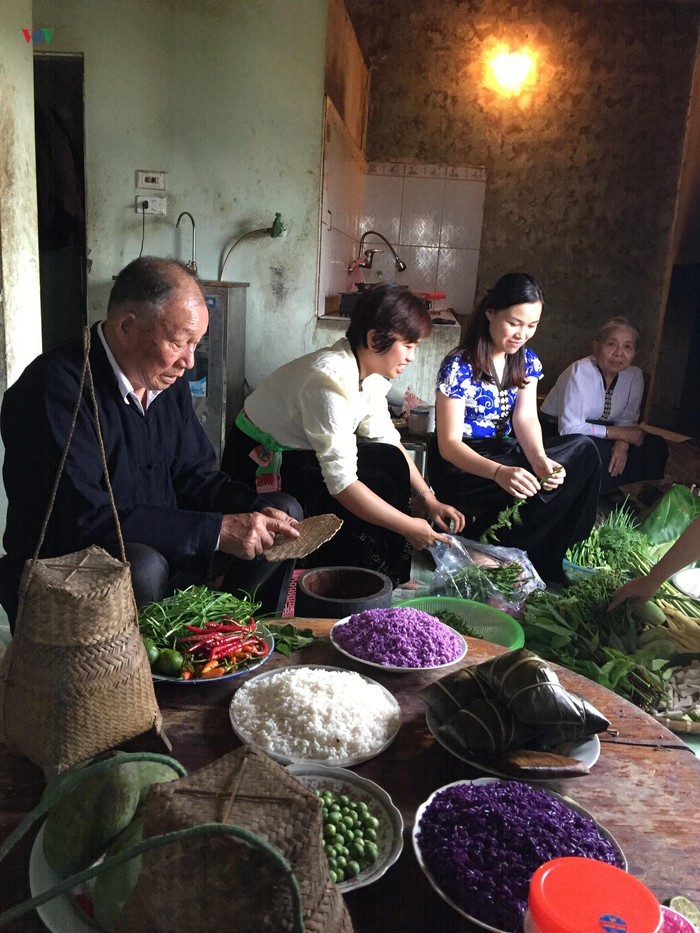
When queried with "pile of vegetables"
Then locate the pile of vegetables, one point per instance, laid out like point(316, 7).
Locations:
point(575, 629)
point(200, 633)
point(633, 652)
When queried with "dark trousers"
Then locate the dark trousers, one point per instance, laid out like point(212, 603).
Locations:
point(551, 520)
point(647, 462)
point(381, 467)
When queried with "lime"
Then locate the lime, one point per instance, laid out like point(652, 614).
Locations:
point(684, 906)
point(151, 651)
point(169, 662)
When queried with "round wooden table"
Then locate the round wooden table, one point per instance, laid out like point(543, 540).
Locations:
point(645, 788)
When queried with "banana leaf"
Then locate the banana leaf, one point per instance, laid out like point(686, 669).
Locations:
point(671, 515)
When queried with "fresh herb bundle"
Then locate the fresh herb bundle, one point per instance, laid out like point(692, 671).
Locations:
point(477, 582)
point(618, 544)
point(167, 620)
point(510, 516)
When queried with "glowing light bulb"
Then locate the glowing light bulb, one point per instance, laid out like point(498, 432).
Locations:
point(512, 70)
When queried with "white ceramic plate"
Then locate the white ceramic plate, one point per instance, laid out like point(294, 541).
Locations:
point(426, 871)
point(586, 751)
point(244, 736)
point(239, 672)
point(390, 831)
point(688, 581)
point(62, 914)
point(389, 667)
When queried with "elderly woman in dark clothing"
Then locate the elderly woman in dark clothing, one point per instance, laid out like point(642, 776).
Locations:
point(488, 446)
point(601, 396)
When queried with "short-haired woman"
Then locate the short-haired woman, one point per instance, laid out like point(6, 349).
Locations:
point(489, 447)
point(600, 396)
point(319, 428)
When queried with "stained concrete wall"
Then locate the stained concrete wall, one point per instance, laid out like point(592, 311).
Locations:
point(582, 168)
point(20, 316)
point(227, 98)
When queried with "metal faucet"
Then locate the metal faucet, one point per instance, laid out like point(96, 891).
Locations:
point(192, 264)
point(366, 256)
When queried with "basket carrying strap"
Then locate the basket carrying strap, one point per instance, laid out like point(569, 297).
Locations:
point(86, 370)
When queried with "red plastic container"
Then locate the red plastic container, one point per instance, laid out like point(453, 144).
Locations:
point(582, 895)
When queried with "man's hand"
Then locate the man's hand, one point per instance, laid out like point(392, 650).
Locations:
point(248, 534)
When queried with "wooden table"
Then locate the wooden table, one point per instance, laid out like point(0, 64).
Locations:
point(645, 789)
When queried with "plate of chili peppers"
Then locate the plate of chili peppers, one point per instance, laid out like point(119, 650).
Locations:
point(200, 635)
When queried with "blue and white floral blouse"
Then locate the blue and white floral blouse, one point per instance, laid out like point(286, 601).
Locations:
point(488, 410)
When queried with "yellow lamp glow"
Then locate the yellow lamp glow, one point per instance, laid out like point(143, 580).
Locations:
point(512, 71)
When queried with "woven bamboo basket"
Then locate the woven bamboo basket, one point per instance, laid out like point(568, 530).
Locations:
point(223, 883)
point(75, 680)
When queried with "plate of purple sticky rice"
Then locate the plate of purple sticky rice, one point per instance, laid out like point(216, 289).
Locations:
point(399, 639)
point(479, 843)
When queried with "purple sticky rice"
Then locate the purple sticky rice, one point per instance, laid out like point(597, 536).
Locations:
point(483, 842)
point(399, 637)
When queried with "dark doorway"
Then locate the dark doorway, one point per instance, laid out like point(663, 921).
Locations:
point(60, 174)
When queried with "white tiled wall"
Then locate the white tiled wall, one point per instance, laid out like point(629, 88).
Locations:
point(431, 214)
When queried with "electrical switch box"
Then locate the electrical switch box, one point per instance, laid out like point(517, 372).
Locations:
point(150, 205)
point(148, 179)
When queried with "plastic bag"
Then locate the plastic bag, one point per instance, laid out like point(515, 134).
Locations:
point(411, 400)
point(498, 576)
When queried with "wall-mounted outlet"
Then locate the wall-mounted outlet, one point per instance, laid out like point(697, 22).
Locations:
point(147, 205)
point(148, 179)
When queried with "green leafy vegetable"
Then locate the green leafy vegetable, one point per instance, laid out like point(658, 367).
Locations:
point(617, 543)
point(671, 515)
point(474, 581)
point(576, 629)
point(289, 638)
point(510, 516)
point(456, 622)
point(166, 621)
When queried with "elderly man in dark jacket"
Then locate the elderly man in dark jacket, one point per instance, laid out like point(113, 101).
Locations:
point(182, 520)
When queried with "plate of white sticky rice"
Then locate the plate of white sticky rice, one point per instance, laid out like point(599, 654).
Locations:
point(315, 713)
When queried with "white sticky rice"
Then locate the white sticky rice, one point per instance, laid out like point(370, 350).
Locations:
point(315, 713)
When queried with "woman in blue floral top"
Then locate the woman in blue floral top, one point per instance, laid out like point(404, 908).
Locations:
point(489, 447)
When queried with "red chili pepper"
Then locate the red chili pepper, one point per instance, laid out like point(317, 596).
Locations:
point(203, 639)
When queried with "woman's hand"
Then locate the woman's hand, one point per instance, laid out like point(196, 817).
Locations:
point(446, 517)
point(637, 591)
point(549, 470)
point(420, 534)
point(618, 458)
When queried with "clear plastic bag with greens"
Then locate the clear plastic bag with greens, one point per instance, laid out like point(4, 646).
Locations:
point(498, 576)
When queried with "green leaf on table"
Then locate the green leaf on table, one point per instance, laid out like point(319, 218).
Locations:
point(289, 638)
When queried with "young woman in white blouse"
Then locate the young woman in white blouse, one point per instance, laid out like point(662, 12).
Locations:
point(319, 428)
point(601, 396)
